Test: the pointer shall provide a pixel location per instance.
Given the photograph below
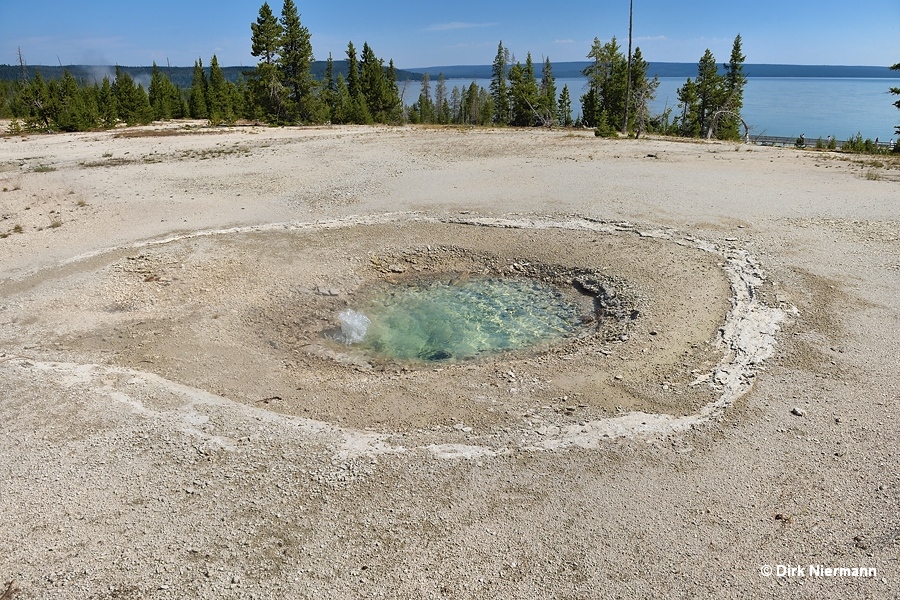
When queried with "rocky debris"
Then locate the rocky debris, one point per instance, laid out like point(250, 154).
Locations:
point(798, 412)
point(606, 300)
point(327, 291)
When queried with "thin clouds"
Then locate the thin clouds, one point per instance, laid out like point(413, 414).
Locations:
point(473, 45)
point(563, 41)
point(454, 25)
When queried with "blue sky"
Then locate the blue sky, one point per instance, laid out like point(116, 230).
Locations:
point(421, 34)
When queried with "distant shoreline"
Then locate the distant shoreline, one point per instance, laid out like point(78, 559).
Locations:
point(672, 69)
point(181, 76)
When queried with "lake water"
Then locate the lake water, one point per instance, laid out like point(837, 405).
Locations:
point(782, 106)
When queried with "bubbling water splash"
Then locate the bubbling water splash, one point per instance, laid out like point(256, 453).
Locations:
point(354, 326)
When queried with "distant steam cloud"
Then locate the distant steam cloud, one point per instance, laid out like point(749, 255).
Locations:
point(456, 25)
point(563, 41)
point(143, 81)
point(97, 73)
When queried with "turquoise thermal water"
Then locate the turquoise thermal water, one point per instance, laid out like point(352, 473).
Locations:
point(451, 321)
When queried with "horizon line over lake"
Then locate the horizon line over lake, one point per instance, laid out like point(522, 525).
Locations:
point(777, 106)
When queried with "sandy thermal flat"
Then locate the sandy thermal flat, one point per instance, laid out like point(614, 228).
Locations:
point(178, 420)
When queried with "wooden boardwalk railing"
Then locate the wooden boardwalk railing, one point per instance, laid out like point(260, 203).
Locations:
point(774, 140)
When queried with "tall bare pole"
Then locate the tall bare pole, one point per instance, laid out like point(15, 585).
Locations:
point(628, 82)
point(22, 66)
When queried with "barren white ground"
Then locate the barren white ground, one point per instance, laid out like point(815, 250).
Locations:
point(118, 481)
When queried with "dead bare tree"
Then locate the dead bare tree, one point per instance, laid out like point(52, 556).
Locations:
point(726, 108)
point(546, 118)
point(22, 66)
point(642, 110)
point(714, 121)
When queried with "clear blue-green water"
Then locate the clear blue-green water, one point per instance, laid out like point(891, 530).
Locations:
point(452, 321)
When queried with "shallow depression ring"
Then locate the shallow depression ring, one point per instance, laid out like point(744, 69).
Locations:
point(745, 333)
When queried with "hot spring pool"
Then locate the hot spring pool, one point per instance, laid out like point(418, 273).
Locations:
point(454, 320)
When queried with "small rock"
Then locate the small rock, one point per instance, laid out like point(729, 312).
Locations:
point(797, 412)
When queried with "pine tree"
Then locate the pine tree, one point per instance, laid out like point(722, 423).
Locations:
point(329, 89)
point(523, 93)
point(55, 107)
point(218, 97)
point(71, 107)
point(499, 88)
point(295, 63)
point(266, 35)
point(548, 93)
point(165, 98)
point(359, 111)
point(425, 112)
point(688, 122)
point(374, 84)
point(35, 99)
point(237, 93)
point(565, 107)
point(265, 89)
point(643, 91)
point(352, 71)
point(132, 100)
point(607, 83)
point(154, 92)
point(590, 106)
point(158, 102)
point(472, 107)
point(342, 103)
point(395, 104)
point(143, 113)
point(199, 109)
point(729, 124)
point(710, 90)
point(106, 103)
point(441, 106)
point(485, 107)
point(455, 105)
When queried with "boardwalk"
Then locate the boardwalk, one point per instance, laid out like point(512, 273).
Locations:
point(773, 140)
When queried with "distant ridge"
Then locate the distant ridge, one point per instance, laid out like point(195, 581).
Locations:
point(182, 76)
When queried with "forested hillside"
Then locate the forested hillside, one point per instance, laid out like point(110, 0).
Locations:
point(180, 76)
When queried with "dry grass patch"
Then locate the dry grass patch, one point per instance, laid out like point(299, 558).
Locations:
point(108, 162)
